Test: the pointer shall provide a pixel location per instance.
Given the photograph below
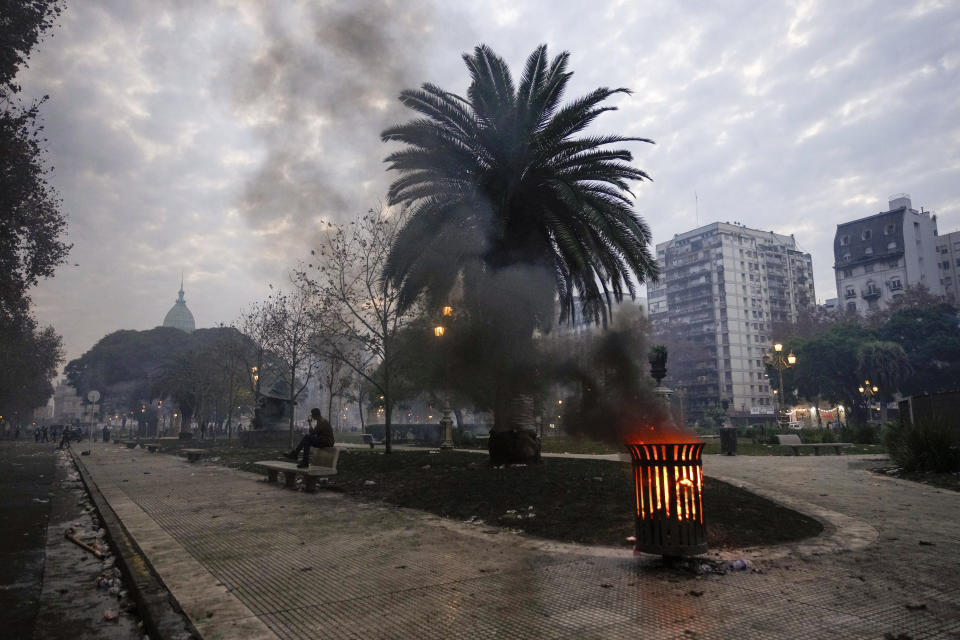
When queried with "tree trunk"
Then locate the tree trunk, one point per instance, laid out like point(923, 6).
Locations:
point(513, 439)
point(293, 381)
point(363, 425)
point(230, 411)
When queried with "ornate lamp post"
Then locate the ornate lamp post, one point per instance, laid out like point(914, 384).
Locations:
point(778, 362)
point(446, 422)
point(868, 391)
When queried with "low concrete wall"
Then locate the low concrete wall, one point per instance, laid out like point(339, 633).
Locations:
point(257, 438)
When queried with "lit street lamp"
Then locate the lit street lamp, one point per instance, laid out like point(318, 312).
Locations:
point(778, 362)
point(446, 422)
point(868, 391)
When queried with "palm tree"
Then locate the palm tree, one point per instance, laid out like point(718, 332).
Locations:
point(885, 364)
point(509, 203)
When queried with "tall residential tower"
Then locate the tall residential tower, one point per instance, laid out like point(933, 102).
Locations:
point(722, 289)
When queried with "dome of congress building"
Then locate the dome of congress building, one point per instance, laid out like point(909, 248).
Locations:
point(179, 317)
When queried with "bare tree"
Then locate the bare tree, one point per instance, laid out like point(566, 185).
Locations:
point(361, 309)
point(293, 323)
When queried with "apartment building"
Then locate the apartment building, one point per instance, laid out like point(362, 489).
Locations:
point(948, 263)
point(722, 289)
point(877, 257)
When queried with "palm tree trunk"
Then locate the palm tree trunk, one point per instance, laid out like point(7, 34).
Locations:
point(513, 439)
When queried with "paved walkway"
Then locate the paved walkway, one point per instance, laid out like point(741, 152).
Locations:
point(250, 560)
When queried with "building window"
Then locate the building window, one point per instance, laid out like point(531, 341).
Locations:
point(891, 246)
point(946, 264)
point(868, 251)
point(887, 230)
point(868, 268)
point(865, 235)
point(844, 241)
point(895, 284)
point(893, 263)
point(851, 306)
point(848, 273)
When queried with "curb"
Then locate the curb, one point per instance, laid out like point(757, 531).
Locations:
point(162, 617)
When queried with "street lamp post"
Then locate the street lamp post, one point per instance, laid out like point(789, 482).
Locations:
point(868, 391)
point(779, 362)
point(446, 422)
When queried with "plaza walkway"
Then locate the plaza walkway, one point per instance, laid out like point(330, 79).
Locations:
point(250, 560)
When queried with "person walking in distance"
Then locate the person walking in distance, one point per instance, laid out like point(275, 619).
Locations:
point(319, 435)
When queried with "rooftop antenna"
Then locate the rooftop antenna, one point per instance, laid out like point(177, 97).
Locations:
point(696, 205)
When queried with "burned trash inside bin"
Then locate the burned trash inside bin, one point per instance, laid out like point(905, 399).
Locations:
point(668, 484)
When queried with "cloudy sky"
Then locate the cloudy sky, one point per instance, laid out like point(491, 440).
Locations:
point(217, 136)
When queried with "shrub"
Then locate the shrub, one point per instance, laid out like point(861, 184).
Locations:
point(860, 434)
point(931, 444)
point(828, 436)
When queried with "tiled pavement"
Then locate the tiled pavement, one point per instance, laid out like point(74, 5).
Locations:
point(250, 560)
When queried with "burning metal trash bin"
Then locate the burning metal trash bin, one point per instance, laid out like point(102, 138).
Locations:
point(668, 481)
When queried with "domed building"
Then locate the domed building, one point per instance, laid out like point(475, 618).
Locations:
point(179, 317)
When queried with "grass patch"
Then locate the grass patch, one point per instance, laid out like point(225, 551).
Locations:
point(563, 499)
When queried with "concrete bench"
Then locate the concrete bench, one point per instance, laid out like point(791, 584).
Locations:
point(792, 441)
point(368, 439)
point(327, 458)
point(131, 444)
point(194, 454)
point(152, 448)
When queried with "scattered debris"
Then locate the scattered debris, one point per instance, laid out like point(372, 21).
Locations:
point(606, 585)
point(696, 594)
point(425, 467)
point(899, 636)
point(739, 565)
point(924, 543)
point(368, 483)
point(41, 500)
point(70, 535)
point(111, 616)
point(916, 607)
point(631, 538)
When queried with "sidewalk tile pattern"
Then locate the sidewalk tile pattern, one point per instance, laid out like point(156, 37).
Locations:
point(325, 565)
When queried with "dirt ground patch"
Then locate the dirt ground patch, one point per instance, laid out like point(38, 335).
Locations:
point(568, 500)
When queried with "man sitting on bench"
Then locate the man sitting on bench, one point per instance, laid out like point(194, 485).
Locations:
point(320, 435)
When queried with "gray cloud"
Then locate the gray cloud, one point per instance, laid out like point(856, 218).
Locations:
point(216, 136)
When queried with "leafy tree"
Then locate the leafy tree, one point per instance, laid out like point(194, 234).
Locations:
point(886, 365)
point(31, 223)
point(930, 338)
point(129, 368)
point(28, 361)
point(510, 208)
point(827, 365)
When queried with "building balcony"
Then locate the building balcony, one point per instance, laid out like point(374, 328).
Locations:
point(850, 294)
point(870, 293)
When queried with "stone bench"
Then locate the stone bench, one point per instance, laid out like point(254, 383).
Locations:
point(194, 454)
point(327, 458)
point(792, 441)
point(369, 439)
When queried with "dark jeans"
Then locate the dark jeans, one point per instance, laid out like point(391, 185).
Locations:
point(308, 441)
